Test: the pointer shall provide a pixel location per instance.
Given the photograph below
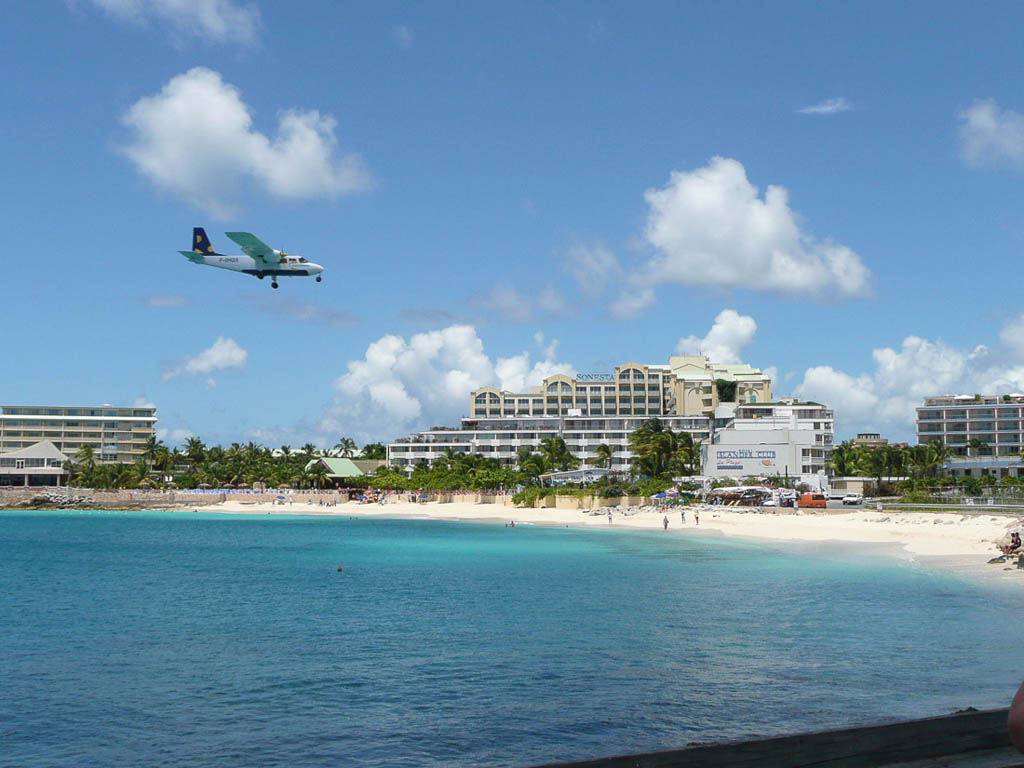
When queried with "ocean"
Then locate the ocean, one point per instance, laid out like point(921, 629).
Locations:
point(164, 639)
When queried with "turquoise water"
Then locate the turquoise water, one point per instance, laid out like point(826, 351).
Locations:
point(208, 640)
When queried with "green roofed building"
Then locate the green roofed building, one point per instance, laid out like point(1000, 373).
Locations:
point(343, 469)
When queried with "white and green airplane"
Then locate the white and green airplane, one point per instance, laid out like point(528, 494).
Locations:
point(260, 260)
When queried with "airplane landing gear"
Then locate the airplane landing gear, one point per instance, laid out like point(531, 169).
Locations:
point(259, 276)
point(274, 284)
point(318, 278)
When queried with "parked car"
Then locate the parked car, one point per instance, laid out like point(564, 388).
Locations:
point(853, 498)
point(835, 495)
point(812, 501)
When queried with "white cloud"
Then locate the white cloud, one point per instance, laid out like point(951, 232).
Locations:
point(403, 36)
point(144, 402)
point(176, 436)
point(1011, 335)
point(165, 300)
point(195, 139)
point(827, 107)
point(214, 20)
point(550, 301)
point(506, 303)
point(304, 311)
point(992, 137)
point(725, 342)
point(592, 266)
point(223, 354)
point(402, 385)
point(884, 399)
point(710, 228)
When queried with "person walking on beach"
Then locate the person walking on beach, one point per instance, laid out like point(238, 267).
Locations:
point(682, 516)
point(665, 523)
point(696, 517)
point(609, 517)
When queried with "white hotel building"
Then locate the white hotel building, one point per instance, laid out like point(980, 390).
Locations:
point(787, 438)
point(116, 433)
point(589, 410)
point(996, 422)
point(956, 420)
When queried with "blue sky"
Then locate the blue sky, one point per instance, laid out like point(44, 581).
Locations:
point(498, 191)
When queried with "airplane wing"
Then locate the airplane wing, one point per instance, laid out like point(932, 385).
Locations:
point(255, 248)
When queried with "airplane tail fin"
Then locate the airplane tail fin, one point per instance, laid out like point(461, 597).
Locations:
point(200, 242)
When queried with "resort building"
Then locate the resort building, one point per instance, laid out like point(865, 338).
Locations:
point(38, 464)
point(116, 433)
point(973, 425)
point(870, 440)
point(788, 437)
point(589, 410)
point(981, 432)
point(687, 386)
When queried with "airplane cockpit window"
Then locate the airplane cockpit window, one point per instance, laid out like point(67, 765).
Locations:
point(302, 260)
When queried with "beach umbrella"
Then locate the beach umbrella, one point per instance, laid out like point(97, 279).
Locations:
point(659, 496)
point(672, 492)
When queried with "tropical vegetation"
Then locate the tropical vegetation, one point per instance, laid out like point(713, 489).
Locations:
point(197, 465)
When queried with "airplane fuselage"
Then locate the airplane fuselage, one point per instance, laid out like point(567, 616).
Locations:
point(290, 266)
point(259, 259)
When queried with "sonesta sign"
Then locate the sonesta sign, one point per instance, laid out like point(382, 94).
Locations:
point(595, 377)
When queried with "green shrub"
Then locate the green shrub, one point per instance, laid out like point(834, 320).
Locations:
point(612, 492)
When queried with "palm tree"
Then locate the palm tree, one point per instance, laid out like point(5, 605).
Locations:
point(937, 455)
point(347, 446)
point(85, 458)
point(976, 444)
point(557, 454)
point(686, 459)
point(533, 465)
point(141, 474)
point(317, 474)
point(876, 464)
point(195, 451)
point(653, 441)
point(843, 459)
point(151, 448)
point(374, 451)
point(603, 456)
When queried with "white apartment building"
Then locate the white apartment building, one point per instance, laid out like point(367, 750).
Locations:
point(116, 433)
point(788, 437)
point(501, 438)
point(589, 410)
point(994, 420)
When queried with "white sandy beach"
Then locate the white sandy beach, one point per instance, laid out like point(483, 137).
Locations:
point(963, 543)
